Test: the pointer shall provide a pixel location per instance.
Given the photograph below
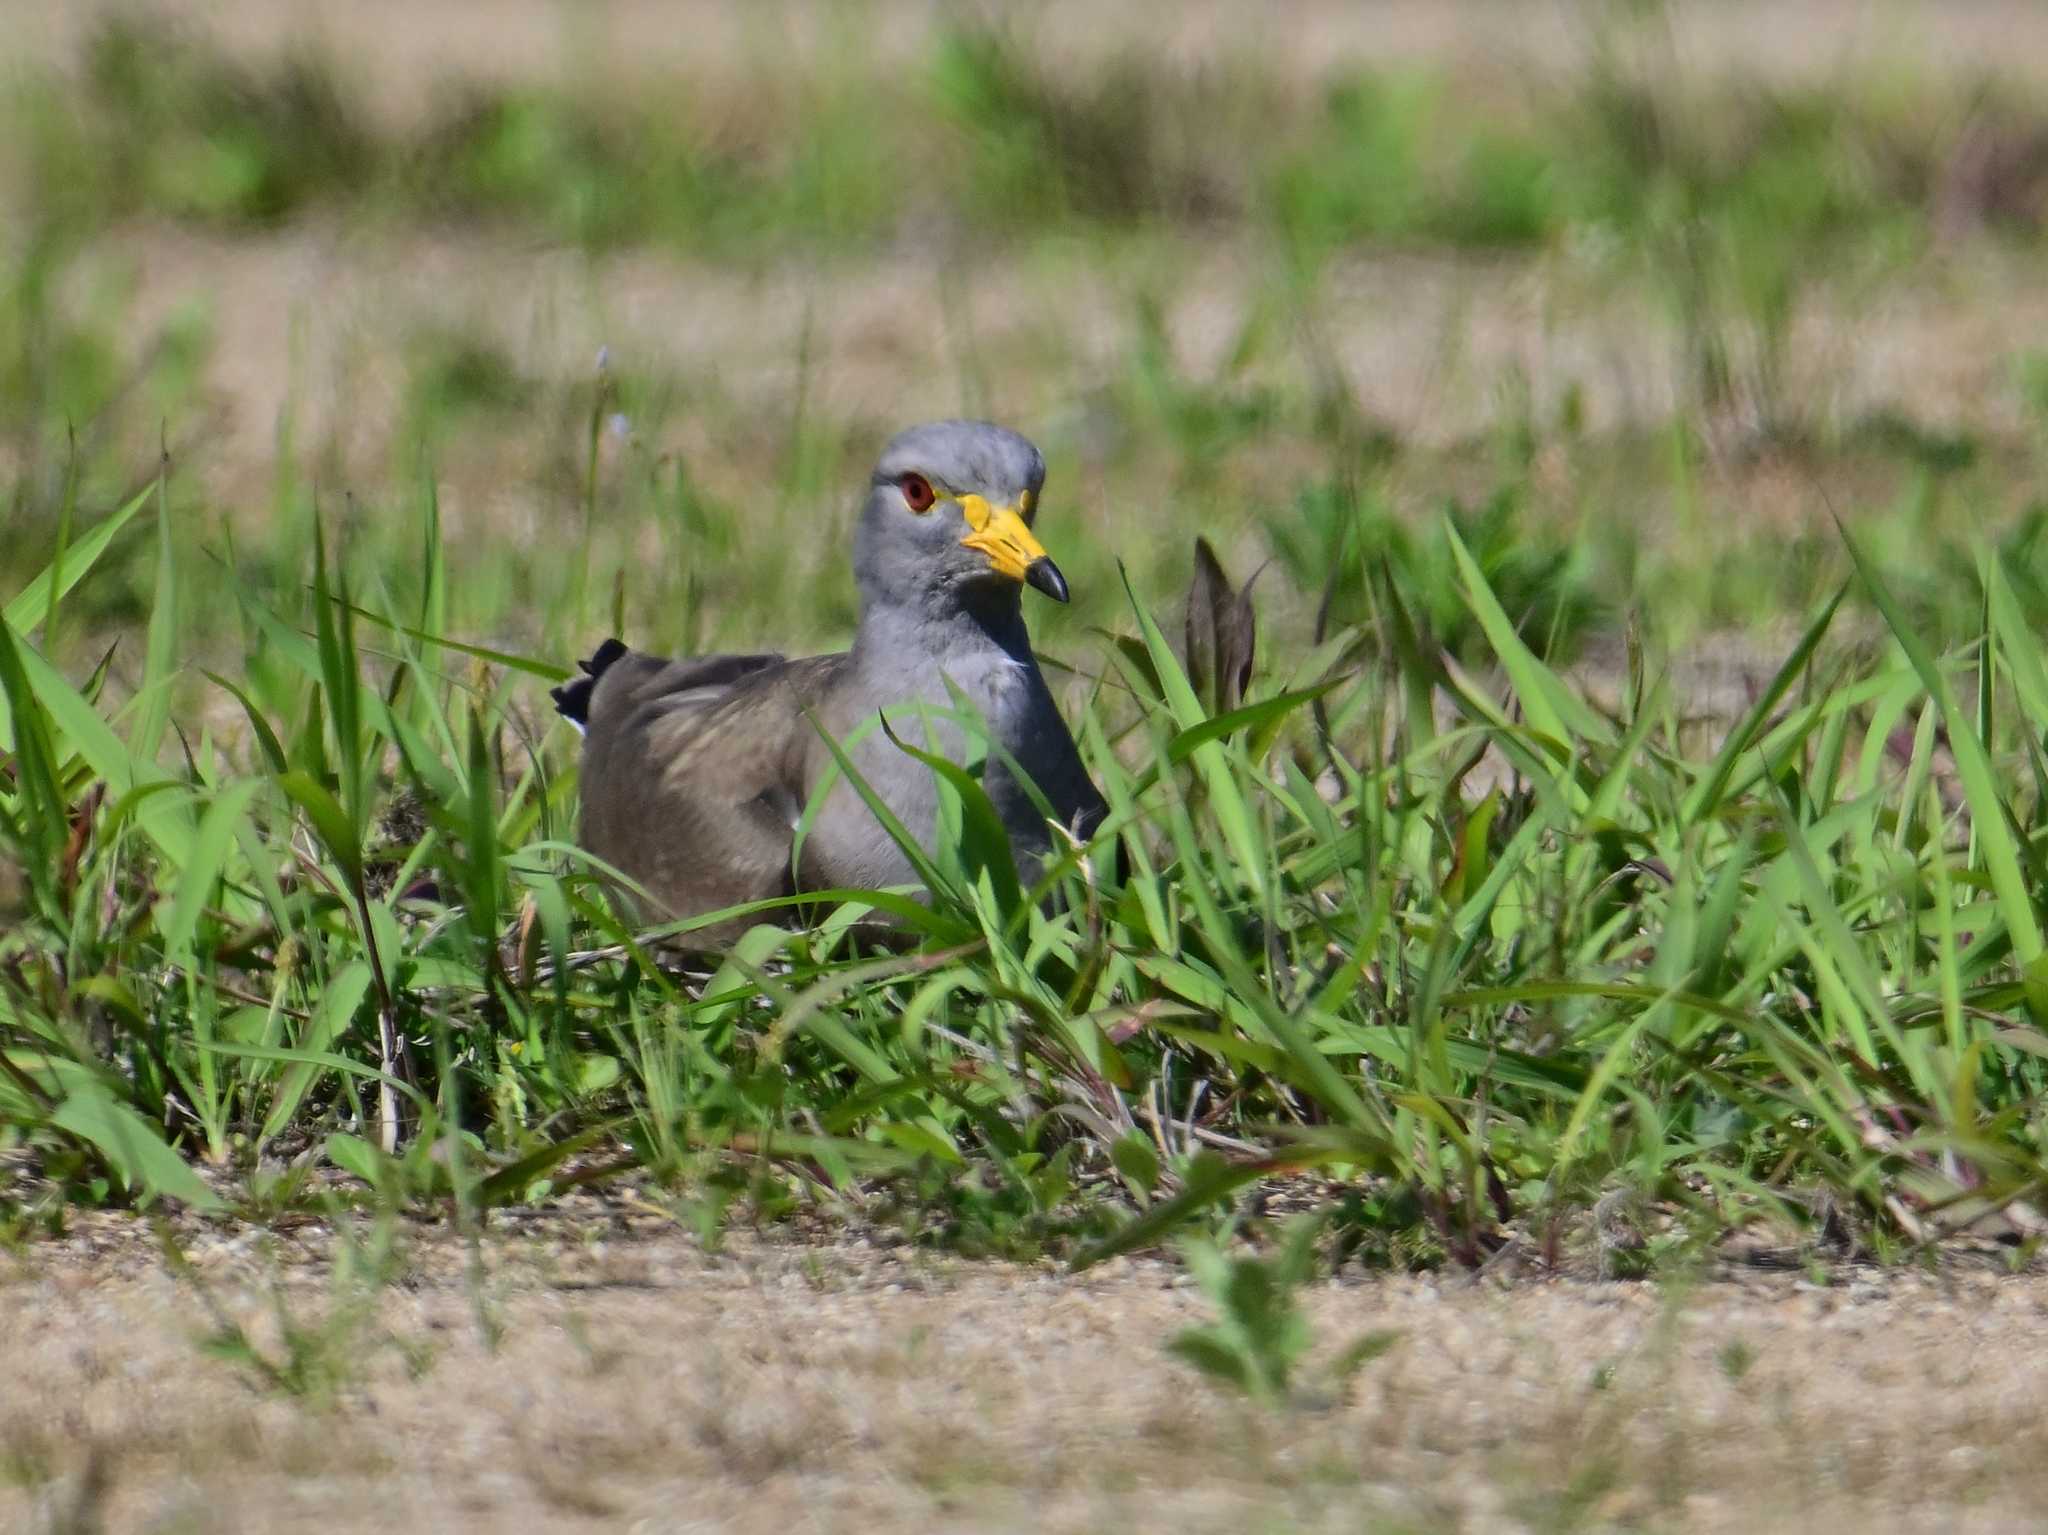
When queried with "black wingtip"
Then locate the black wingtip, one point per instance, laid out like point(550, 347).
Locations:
point(572, 699)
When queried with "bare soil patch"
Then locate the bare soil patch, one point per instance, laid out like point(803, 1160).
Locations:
point(322, 321)
point(612, 1374)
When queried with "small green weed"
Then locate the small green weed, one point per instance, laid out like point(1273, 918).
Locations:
point(1260, 1335)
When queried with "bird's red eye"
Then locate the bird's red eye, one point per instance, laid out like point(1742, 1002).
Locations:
point(917, 492)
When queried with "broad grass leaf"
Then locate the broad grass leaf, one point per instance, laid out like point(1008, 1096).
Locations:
point(210, 849)
point(41, 817)
point(1259, 719)
point(1551, 708)
point(510, 1183)
point(1209, 1351)
point(1135, 1159)
point(511, 660)
point(166, 820)
point(356, 1157)
point(133, 1148)
point(984, 844)
point(339, 1001)
point(57, 579)
point(266, 738)
point(331, 824)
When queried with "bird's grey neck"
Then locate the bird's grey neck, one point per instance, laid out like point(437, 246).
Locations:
point(958, 631)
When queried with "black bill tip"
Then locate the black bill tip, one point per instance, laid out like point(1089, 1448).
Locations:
point(1045, 575)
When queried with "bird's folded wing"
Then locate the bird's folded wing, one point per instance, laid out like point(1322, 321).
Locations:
point(692, 773)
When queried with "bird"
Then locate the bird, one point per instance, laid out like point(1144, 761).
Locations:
point(697, 772)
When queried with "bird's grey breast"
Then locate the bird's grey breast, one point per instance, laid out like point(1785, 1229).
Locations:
point(1018, 729)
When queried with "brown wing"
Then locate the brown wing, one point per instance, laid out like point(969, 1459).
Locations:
point(692, 774)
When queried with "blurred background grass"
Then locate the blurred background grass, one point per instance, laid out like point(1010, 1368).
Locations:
point(1642, 292)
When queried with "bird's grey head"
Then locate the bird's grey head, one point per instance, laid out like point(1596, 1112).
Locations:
point(947, 525)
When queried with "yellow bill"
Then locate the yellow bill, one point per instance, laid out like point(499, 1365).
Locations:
point(1002, 534)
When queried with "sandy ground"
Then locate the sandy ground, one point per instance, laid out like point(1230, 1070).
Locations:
point(639, 1383)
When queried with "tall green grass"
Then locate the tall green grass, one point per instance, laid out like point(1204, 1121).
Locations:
point(1481, 950)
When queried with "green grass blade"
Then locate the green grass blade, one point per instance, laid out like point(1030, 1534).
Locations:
point(1226, 801)
point(133, 1148)
point(1705, 797)
point(1995, 838)
point(1551, 708)
point(210, 849)
point(53, 583)
point(160, 653)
